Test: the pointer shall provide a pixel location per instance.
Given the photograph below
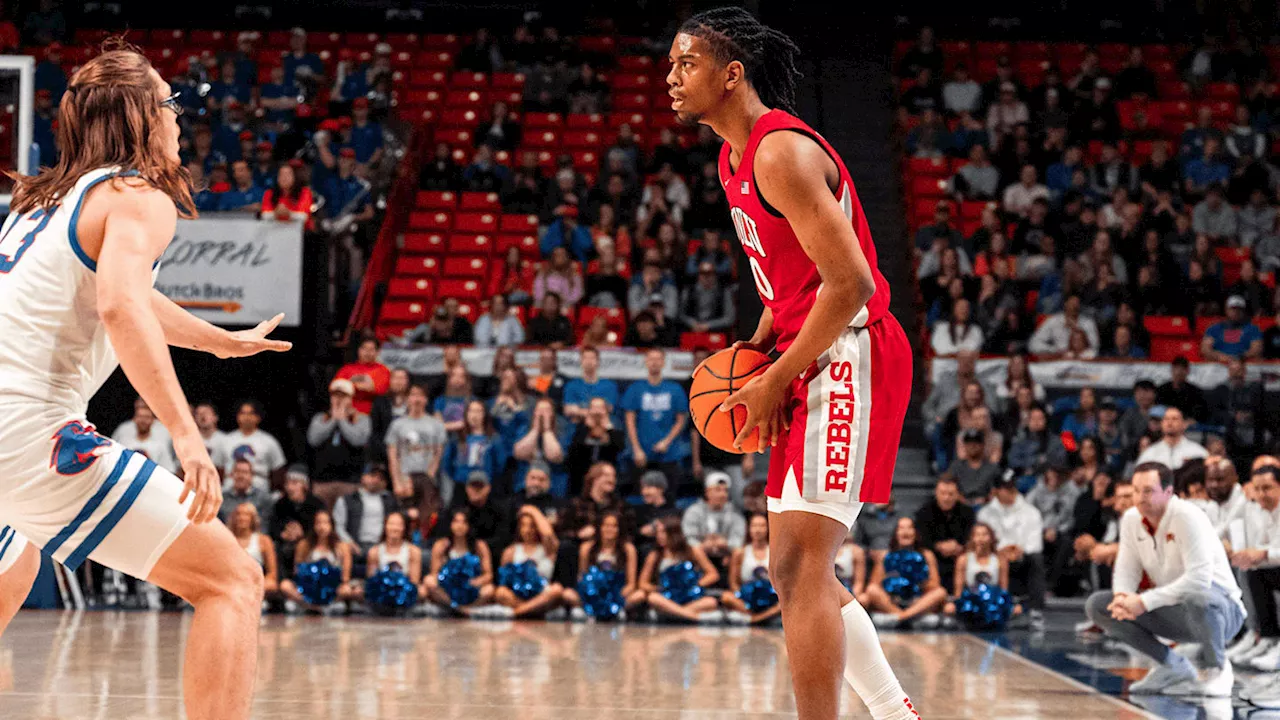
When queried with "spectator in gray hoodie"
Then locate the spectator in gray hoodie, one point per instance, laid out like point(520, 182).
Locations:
point(713, 523)
point(1055, 498)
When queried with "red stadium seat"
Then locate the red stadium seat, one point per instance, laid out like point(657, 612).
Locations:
point(635, 62)
point(441, 40)
point(634, 119)
point(615, 318)
point(585, 160)
point(928, 187)
point(459, 119)
point(460, 288)
point(466, 98)
point(507, 81)
point(404, 311)
point(542, 138)
point(480, 201)
point(424, 243)
point(1165, 349)
point(527, 244)
point(403, 288)
point(931, 167)
point(710, 341)
point(631, 101)
point(436, 200)
point(1222, 91)
point(511, 223)
point(430, 220)
point(429, 79)
point(1167, 326)
point(630, 82)
point(477, 222)
point(1203, 323)
point(541, 120)
point(453, 136)
point(598, 44)
point(436, 59)
point(417, 266)
point(469, 80)
point(469, 244)
point(466, 266)
point(584, 139)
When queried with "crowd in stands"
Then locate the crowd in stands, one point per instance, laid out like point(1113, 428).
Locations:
point(642, 230)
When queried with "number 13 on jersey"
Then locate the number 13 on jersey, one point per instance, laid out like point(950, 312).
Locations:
point(750, 239)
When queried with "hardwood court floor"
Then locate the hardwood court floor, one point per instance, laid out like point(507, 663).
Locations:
point(69, 666)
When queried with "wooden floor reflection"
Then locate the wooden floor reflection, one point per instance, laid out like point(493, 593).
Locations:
point(127, 665)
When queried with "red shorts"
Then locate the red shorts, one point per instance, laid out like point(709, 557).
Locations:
point(846, 419)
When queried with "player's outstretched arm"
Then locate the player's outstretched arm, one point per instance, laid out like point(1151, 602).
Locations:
point(184, 330)
point(786, 165)
point(136, 229)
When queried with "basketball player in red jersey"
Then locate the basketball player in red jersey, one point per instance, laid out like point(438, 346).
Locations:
point(831, 406)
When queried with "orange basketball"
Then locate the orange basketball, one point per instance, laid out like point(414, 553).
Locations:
point(714, 380)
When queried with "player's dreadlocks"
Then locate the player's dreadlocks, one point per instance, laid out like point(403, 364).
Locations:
point(768, 55)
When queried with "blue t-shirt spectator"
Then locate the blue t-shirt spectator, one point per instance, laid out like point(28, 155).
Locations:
point(235, 198)
point(339, 191)
point(226, 140)
point(1058, 177)
point(49, 76)
point(559, 471)
point(580, 392)
point(1204, 173)
point(474, 452)
point(366, 140)
point(236, 89)
point(207, 201)
point(451, 408)
point(354, 85)
point(1232, 339)
point(1080, 427)
point(264, 178)
point(292, 63)
point(578, 241)
point(656, 408)
point(273, 91)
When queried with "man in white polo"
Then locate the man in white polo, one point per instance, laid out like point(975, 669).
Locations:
point(1173, 449)
point(1194, 598)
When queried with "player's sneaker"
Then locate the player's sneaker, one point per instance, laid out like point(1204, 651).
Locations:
point(1262, 647)
point(885, 621)
point(711, 617)
point(1210, 682)
point(1246, 641)
point(1161, 678)
point(1267, 660)
point(737, 618)
point(1087, 628)
point(1264, 694)
point(930, 621)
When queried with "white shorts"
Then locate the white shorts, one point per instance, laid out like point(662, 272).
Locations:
point(12, 543)
point(78, 495)
point(840, 511)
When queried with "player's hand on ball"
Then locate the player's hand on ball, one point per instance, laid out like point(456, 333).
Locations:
point(244, 343)
point(200, 480)
point(762, 396)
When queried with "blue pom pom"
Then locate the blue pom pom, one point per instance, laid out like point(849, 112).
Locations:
point(601, 591)
point(984, 607)
point(390, 591)
point(680, 583)
point(758, 595)
point(523, 579)
point(318, 582)
point(455, 579)
point(905, 571)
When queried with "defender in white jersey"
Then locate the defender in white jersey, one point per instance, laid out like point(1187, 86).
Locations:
point(78, 256)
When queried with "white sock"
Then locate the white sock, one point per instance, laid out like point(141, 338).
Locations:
point(867, 670)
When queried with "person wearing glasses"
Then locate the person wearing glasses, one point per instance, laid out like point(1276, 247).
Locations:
point(73, 306)
point(1192, 596)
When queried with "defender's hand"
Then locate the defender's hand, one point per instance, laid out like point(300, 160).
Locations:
point(244, 343)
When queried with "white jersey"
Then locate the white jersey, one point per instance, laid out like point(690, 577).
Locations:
point(53, 347)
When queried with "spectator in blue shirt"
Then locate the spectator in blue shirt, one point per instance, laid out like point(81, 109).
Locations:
point(246, 67)
point(567, 233)
point(452, 403)
point(264, 165)
point(1235, 337)
point(206, 199)
point(657, 412)
point(298, 58)
point(1193, 139)
point(366, 136)
point(244, 195)
point(226, 139)
point(1206, 170)
point(475, 447)
point(579, 392)
point(485, 175)
point(49, 75)
point(345, 189)
point(279, 99)
point(1058, 176)
point(42, 120)
point(203, 152)
point(228, 86)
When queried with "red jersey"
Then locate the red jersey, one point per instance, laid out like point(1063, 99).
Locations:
point(786, 279)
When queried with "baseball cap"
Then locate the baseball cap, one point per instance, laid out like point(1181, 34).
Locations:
point(974, 436)
point(342, 385)
point(297, 471)
point(717, 478)
point(657, 299)
point(478, 477)
point(360, 102)
point(1108, 404)
point(1005, 481)
point(246, 135)
point(654, 478)
point(264, 145)
point(347, 152)
point(1235, 301)
point(539, 465)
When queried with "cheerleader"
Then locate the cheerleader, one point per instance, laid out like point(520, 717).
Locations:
point(676, 575)
point(395, 554)
point(525, 575)
point(904, 584)
point(461, 576)
point(751, 597)
point(981, 566)
point(322, 585)
point(606, 573)
point(245, 525)
point(851, 566)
